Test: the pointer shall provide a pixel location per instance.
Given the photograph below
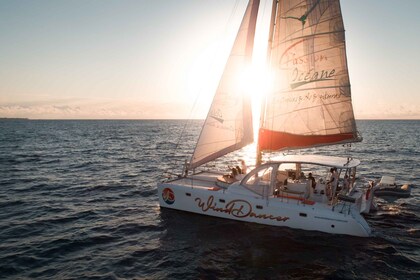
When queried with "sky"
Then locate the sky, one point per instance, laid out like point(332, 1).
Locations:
point(147, 59)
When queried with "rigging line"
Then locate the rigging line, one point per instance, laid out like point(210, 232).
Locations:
point(231, 16)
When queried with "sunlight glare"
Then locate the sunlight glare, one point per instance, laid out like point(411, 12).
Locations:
point(256, 82)
point(203, 75)
point(253, 81)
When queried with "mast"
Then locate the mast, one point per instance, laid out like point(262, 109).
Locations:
point(263, 103)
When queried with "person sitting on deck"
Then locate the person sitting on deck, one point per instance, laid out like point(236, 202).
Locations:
point(302, 176)
point(234, 172)
point(238, 169)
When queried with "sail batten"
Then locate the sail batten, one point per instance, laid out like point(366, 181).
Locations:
point(228, 126)
point(310, 102)
point(310, 36)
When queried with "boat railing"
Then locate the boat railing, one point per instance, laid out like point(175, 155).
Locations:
point(344, 203)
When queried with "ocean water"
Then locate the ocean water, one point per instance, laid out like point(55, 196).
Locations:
point(78, 200)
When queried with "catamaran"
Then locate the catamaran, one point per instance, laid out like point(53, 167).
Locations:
point(309, 105)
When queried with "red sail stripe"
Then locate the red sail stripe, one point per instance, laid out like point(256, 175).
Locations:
point(273, 140)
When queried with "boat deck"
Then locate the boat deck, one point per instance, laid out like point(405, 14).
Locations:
point(208, 180)
point(199, 180)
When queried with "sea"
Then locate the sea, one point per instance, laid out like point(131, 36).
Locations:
point(78, 200)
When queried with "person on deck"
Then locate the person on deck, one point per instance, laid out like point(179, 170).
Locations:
point(346, 184)
point(312, 179)
point(302, 176)
point(234, 172)
point(243, 166)
point(332, 183)
point(334, 177)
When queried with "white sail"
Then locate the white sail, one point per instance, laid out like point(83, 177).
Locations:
point(310, 104)
point(228, 125)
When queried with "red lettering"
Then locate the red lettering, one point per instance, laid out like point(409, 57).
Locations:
point(238, 208)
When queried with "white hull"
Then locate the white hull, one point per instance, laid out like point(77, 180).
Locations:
point(199, 194)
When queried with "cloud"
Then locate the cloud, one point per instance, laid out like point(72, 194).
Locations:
point(390, 111)
point(95, 109)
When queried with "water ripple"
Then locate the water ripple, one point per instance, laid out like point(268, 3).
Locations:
point(78, 200)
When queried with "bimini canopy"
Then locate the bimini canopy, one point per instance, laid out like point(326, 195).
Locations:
point(338, 162)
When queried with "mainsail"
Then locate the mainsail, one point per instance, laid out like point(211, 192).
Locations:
point(310, 102)
point(228, 125)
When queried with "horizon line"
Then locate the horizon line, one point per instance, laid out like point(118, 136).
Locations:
point(164, 119)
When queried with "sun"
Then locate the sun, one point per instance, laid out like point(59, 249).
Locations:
point(254, 81)
point(208, 65)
